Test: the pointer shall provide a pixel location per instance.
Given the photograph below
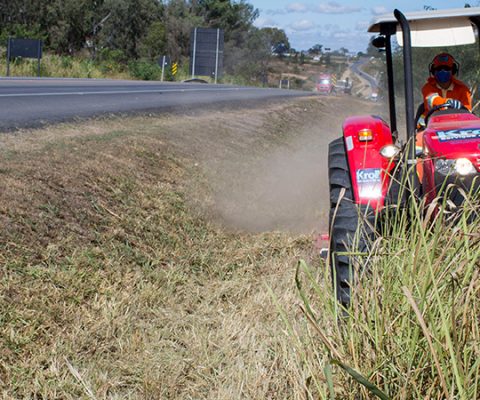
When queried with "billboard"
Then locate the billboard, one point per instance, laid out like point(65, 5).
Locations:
point(206, 52)
point(25, 48)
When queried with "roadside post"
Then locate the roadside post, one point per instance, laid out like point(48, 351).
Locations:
point(174, 69)
point(194, 57)
point(163, 68)
point(164, 61)
point(26, 48)
point(216, 55)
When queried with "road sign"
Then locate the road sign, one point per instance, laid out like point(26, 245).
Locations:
point(174, 68)
point(164, 61)
point(206, 52)
point(25, 48)
point(284, 82)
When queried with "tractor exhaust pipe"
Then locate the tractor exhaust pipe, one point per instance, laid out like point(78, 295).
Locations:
point(408, 71)
point(409, 108)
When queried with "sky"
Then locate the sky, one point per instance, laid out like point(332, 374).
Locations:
point(334, 24)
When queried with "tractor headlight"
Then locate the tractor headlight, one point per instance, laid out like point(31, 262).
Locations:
point(390, 151)
point(460, 166)
point(464, 166)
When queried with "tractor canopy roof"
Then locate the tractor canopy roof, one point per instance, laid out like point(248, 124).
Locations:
point(434, 28)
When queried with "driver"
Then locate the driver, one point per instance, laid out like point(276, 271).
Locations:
point(443, 87)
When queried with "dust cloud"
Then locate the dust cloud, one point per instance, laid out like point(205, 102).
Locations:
point(284, 186)
point(285, 190)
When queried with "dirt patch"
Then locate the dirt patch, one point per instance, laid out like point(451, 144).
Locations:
point(128, 266)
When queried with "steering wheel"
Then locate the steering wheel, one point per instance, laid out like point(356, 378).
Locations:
point(439, 107)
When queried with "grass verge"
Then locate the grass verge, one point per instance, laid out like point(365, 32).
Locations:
point(120, 278)
point(115, 282)
point(412, 330)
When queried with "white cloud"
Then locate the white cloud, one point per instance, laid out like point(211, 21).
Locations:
point(335, 37)
point(302, 25)
point(330, 7)
point(276, 12)
point(297, 7)
point(341, 35)
point(379, 10)
point(262, 22)
point(333, 7)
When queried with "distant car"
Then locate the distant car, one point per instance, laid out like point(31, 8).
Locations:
point(374, 96)
point(344, 86)
point(325, 84)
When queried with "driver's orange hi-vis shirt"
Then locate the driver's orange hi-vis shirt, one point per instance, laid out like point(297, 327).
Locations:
point(434, 95)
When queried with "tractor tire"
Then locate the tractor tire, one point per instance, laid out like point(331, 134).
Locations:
point(345, 220)
point(397, 192)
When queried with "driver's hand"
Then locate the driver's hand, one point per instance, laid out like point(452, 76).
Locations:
point(455, 104)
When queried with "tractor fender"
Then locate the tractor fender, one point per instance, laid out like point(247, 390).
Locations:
point(369, 171)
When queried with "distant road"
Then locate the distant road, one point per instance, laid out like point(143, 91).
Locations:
point(35, 102)
point(370, 79)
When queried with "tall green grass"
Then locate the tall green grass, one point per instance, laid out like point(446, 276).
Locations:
point(107, 65)
point(412, 331)
point(64, 67)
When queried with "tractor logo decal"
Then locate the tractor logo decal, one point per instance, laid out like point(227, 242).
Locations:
point(370, 175)
point(458, 134)
point(369, 183)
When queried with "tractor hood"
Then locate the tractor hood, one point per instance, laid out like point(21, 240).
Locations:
point(454, 136)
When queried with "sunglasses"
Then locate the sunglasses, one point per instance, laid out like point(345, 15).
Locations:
point(443, 68)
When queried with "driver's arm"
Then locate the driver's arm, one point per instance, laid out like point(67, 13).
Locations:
point(430, 97)
point(460, 93)
point(433, 100)
point(466, 99)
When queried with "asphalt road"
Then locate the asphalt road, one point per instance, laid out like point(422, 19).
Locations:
point(36, 102)
point(356, 69)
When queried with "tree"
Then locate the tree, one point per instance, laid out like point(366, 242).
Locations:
point(126, 30)
point(315, 50)
point(302, 58)
point(278, 40)
point(129, 24)
point(235, 17)
point(179, 20)
point(154, 44)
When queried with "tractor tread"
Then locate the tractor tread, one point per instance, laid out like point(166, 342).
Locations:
point(346, 218)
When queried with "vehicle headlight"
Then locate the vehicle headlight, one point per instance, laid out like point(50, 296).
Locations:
point(464, 166)
point(390, 151)
point(460, 166)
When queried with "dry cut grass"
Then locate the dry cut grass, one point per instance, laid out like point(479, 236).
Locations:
point(118, 279)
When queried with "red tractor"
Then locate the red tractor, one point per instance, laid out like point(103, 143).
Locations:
point(364, 161)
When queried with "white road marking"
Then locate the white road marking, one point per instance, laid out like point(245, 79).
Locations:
point(121, 92)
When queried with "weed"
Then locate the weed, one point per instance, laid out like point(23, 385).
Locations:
point(411, 331)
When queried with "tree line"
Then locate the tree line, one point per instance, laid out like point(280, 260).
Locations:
point(126, 30)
